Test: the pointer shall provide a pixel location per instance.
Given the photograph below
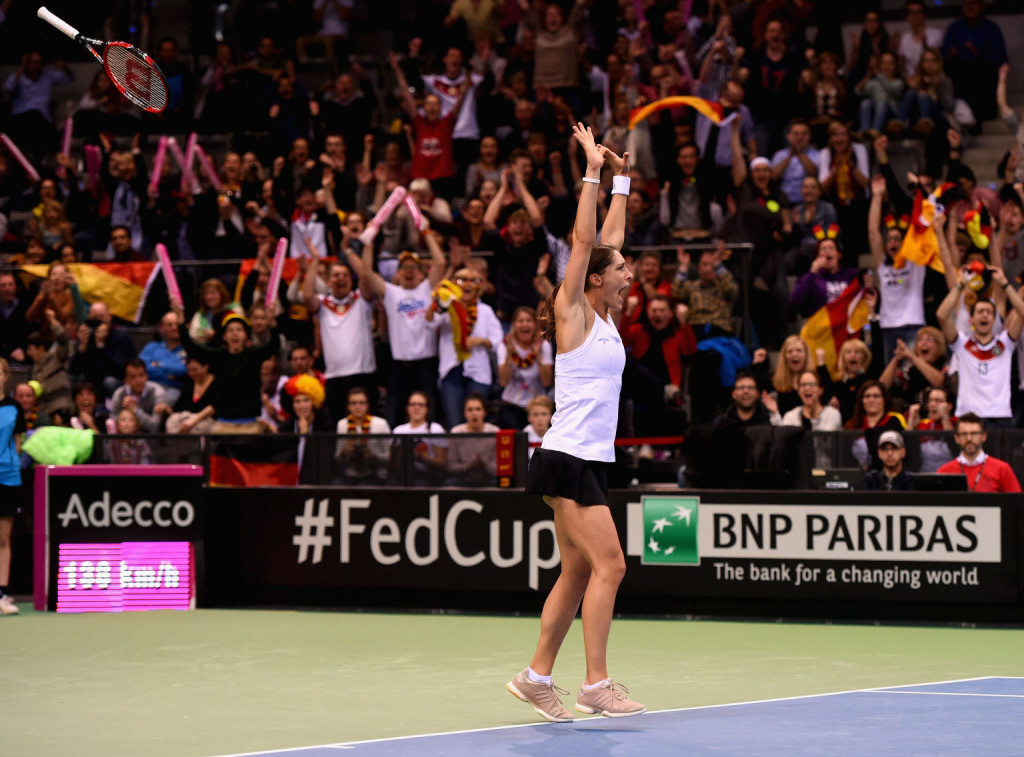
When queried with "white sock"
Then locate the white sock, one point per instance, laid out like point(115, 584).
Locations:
point(537, 677)
point(592, 686)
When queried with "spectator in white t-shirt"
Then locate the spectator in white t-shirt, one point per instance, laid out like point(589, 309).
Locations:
point(984, 357)
point(526, 367)
point(465, 368)
point(346, 335)
point(413, 342)
point(901, 314)
point(429, 454)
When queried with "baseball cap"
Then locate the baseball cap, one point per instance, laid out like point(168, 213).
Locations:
point(408, 256)
point(891, 437)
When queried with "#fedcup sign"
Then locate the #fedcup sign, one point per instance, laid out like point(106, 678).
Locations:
point(670, 531)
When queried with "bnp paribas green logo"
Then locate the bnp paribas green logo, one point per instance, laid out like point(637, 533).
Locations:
point(670, 531)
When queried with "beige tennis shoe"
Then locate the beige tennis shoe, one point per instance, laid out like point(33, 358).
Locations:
point(609, 699)
point(543, 697)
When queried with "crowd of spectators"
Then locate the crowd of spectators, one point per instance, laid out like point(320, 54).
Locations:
point(437, 326)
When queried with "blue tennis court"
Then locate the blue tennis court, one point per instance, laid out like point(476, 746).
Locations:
point(978, 716)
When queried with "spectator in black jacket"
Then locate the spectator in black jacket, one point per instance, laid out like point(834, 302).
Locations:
point(103, 350)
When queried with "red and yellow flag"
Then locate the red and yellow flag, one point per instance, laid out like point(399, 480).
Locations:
point(921, 244)
point(123, 286)
point(708, 108)
point(833, 324)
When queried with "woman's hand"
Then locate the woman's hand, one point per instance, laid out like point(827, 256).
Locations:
point(585, 136)
point(619, 165)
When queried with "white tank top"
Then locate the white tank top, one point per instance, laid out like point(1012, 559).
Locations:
point(587, 385)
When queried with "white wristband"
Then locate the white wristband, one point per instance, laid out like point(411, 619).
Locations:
point(588, 180)
point(620, 185)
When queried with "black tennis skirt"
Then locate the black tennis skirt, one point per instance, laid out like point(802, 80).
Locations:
point(11, 500)
point(557, 474)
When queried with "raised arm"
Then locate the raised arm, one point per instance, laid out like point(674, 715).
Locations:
point(739, 166)
point(371, 283)
point(309, 298)
point(584, 232)
point(437, 261)
point(494, 208)
point(945, 253)
point(1015, 319)
point(529, 201)
point(408, 104)
point(875, 241)
point(613, 231)
point(944, 313)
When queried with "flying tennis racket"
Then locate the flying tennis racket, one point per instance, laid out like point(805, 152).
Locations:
point(133, 72)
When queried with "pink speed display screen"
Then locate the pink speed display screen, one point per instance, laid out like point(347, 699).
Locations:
point(125, 577)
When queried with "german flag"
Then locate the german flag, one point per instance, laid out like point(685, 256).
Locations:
point(833, 324)
point(123, 286)
point(254, 461)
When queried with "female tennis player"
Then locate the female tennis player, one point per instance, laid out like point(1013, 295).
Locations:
point(569, 468)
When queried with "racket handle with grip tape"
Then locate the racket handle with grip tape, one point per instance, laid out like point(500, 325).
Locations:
point(58, 23)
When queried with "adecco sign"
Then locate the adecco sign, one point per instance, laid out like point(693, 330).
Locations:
point(112, 504)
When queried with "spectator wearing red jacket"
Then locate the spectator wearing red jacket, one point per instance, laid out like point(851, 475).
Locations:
point(660, 348)
point(984, 472)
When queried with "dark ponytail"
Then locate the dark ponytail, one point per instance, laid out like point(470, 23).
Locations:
point(600, 258)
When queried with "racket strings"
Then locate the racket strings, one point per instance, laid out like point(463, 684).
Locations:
point(137, 77)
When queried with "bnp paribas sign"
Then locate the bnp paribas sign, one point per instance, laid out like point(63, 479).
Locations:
point(680, 530)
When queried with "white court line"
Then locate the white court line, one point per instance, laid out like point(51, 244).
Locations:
point(351, 744)
point(946, 694)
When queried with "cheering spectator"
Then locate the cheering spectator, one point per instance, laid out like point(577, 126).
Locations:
point(882, 94)
point(984, 357)
point(772, 74)
point(919, 37)
point(794, 359)
point(911, 371)
point(873, 414)
point(526, 367)
point(930, 92)
point(362, 461)
point(473, 462)
point(867, 47)
point(238, 398)
point(824, 282)
point(984, 473)
point(413, 343)
point(103, 350)
point(469, 332)
point(88, 414)
point(937, 417)
point(855, 364)
point(345, 318)
point(433, 155)
point(58, 293)
point(659, 347)
point(810, 414)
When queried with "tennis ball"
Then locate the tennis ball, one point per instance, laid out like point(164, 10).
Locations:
point(36, 387)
